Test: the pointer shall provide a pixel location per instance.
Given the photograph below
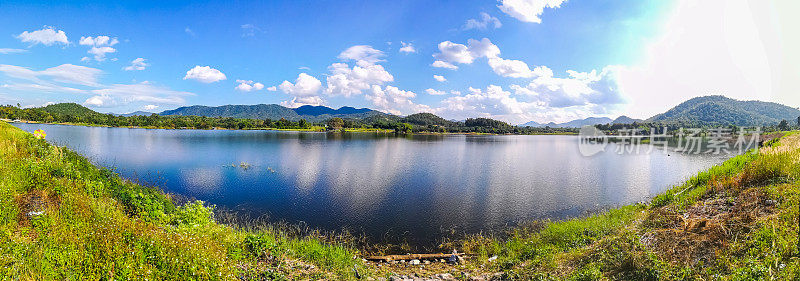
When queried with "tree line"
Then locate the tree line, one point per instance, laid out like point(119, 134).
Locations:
point(416, 123)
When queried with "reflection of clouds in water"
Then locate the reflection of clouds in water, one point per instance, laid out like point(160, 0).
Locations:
point(305, 159)
point(361, 184)
point(202, 180)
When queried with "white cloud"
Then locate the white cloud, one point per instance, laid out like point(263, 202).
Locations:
point(493, 102)
point(100, 46)
point(121, 94)
point(65, 73)
point(189, 31)
point(579, 89)
point(100, 101)
point(451, 53)
point(100, 52)
point(150, 107)
point(362, 54)
point(528, 10)
point(248, 85)
point(304, 87)
point(100, 40)
point(205, 74)
point(137, 64)
point(439, 78)
point(11, 51)
point(394, 101)
point(46, 36)
point(483, 23)
point(433, 92)
point(346, 81)
point(272, 88)
point(407, 48)
point(441, 64)
point(301, 101)
point(510, 68)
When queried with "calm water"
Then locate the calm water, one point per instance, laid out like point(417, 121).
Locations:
point(417, 188)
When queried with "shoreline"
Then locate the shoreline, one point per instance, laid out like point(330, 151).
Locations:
point(316, 129)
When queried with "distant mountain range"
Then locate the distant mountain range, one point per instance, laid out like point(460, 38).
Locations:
point(274, 112)
point(700, 111)
point(571, 124)
point(707, 110)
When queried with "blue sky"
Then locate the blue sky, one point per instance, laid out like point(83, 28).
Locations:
point(516, 60)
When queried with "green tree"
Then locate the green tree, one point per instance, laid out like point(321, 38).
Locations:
point(783, 126)
point(303, 124)
point(403, 128)
point(335, 123)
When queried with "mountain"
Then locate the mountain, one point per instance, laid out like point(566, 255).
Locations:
point(626, 120)
point(720, 110)
point(426, 119)
point(571, 124)
point(136, 113)
point(274, 112)
point(69, 109)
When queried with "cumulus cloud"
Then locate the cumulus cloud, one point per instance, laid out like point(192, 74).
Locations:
point(205, 74)
point(407, 48)
point(11, 51)
point(578, 89)
point(362, 53)
point(248, 85)
point(510, 68)
point(439, 78)
point(433, 92)
point(528, 10)
point(452, 53)
point(394, 101)
point(150, 107)
point(442, 64)
point(483, 23)
point(100, 46)
point(493, 102)
point(304, 91)
point(100, 101)
point(272, 88)
point(46, 36)
point(137, 64)
point(100, 40)
point(346, 81)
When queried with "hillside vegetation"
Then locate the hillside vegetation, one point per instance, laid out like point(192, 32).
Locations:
point(272, 111)
point(720, 110)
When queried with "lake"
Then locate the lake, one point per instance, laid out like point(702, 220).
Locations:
point(415, 189)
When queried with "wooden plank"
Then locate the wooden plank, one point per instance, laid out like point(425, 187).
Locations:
point(410, 257)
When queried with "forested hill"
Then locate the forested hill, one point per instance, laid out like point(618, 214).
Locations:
point(720, 110)
point(273, 111)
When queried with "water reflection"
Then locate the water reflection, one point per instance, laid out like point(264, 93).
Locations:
point(411, 187)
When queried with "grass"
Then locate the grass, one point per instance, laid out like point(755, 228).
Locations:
point(735, 221)
point(63, 218)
